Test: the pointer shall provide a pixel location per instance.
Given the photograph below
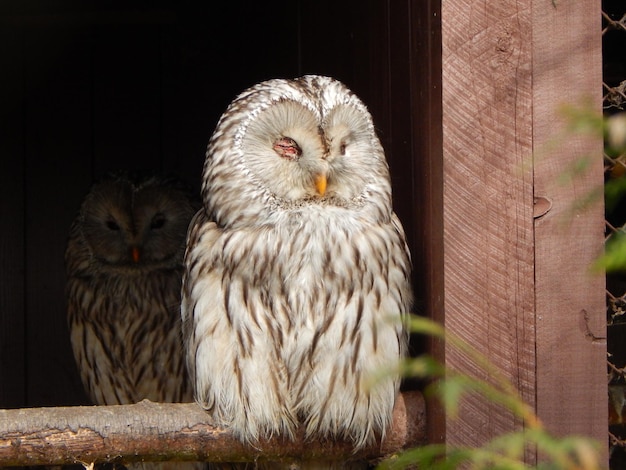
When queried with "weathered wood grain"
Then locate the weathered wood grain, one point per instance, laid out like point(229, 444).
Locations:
point(158, 431)
point(570, 303)
point(522, 292)
point(487, 203)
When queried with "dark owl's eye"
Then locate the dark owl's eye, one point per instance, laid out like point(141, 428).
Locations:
point(342, 148)
point(158, 221)
point(112, 225)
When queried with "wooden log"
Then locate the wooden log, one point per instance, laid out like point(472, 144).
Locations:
point(164, 431)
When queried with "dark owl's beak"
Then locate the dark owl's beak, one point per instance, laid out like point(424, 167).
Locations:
point(320, 184)
point(134, 253)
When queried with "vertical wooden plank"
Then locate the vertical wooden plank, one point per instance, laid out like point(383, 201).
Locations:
point(12, 338)
point(487, 203)
point(428, 255)
point(401, 133)
point(571, 324)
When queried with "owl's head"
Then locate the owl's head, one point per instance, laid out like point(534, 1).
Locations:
point(136, 221)
point(288, 143)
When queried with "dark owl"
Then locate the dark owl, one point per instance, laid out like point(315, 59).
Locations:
point(124, 268)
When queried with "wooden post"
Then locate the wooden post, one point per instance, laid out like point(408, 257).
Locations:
point(488, 200)
point(570, 299)
point(516, 287)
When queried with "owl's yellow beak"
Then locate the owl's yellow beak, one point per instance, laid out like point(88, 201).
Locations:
point(320, 184)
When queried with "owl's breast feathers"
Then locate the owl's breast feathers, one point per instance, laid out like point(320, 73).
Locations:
point(129, 326)
point(289, 323)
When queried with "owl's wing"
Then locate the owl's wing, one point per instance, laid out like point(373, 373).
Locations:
point(230, 355)
point(400, 278)
point(200, 228)
point(402, 257)
point(99, 369)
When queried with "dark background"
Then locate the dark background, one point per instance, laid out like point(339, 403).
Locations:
point(91, 86)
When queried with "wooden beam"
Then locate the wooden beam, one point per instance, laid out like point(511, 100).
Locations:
point(522, 291)
point(165, 431)
point(487, 204)
point(570, 299)
point(427, 211)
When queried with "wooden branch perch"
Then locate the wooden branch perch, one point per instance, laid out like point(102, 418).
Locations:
point(162, 431)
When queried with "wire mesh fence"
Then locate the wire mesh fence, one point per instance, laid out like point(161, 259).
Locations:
point(614, 103)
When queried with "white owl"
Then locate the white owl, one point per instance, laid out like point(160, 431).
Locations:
point(297, 273)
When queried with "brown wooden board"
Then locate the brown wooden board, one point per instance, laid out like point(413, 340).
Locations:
point(428, 255)
point(570, 303)
point(520, 291)
point(487, 204)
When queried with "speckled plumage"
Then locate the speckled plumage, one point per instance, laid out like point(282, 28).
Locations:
point(296, 269)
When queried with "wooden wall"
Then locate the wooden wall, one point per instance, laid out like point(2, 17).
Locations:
point(571, 400)
point(517, 248)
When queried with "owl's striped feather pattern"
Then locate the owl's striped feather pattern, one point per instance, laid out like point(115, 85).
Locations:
point(126, 337)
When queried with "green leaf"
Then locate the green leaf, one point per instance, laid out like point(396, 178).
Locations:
point(614, 257)
point(614, 191)
point(425, 326)
point(423, 367)
point(450, 390)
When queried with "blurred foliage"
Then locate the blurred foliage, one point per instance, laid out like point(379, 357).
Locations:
point(614, 133)
point(511, 451)
point(504, 452)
